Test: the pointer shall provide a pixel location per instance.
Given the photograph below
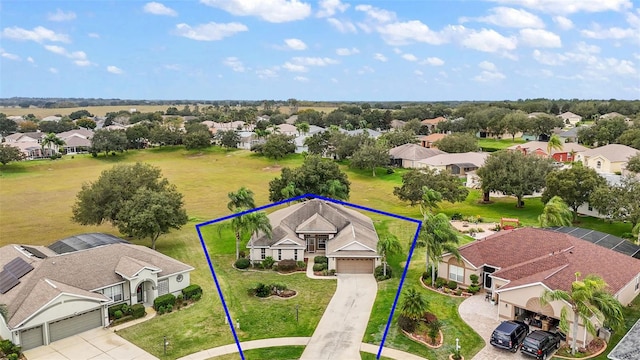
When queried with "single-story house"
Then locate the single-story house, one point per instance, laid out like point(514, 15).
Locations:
point(372, 133)
point(56, 291)
point(51, 118)
point(610, 158)
point(35, 137)
point(428, 140)
point(76, 141)
point(318, 227)
point(457, 164)
point(517, 266)
point(287, 129)
point(571, 135)
point(408, 155)
point(540, 148)
point(32, 150)
point(570, 119)
point(432, 124)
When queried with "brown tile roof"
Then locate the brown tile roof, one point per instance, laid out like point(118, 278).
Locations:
point(433, 137)
point(433, 121)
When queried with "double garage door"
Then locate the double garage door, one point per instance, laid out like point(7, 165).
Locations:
point(61, 329)
point(354, 266)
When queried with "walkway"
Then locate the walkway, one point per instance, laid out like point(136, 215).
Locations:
point(310, 274)
point(482, 316)
point(342, 327)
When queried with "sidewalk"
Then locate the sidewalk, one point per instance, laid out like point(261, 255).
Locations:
point(310, 274)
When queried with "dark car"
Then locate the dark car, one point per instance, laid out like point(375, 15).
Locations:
point(509, 335)
point(540, 344)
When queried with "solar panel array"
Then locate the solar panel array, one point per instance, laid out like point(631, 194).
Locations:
point(84, 241)
point(35, 252)
point(605, 240)
point(12, 272)
point(7, 281)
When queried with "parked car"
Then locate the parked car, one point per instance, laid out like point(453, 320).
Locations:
point(540, 344)
point(509, 335)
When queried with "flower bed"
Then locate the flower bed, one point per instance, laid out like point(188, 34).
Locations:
point(425, 339)
point(596, 347)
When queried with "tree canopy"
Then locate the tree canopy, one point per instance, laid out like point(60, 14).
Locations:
point(278, 146)
point(109, 140)
point(621, 202)
point(458, 143)
point(446, 184)
point(370, 156)
point(573, 185)
point(10, 153)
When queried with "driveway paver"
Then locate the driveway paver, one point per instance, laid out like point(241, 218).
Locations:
point(341, 329)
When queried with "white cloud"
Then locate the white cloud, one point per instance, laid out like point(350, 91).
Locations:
point(334, 80)
point(343, 26)
point(295, 44)
point(79, 57)
point(397, 51)
point(563, 22)
point(38, 34)
point(347, 51)
point(433, 61)
point(330, 7)
point(377, 14)
point(508, 17)
point(489, 41)
point(487, 76)
point(30, 59)
point(56, 49)
point(571, 6)
point(366, 70)
point(380, 57)
point(94, 35)
point(267, 73)
point(295, 67)
point(234, 63)
point(53, 70)
point(275, 11)
point(418, 72)
point(9, 56)
point(621, 67)
point(211, 31)
point(314, 61)
point(611, 33)
point(301, 79)
point(60, 15)
point(540, 38)
point(409, 57)
point(114, 70)
point(401, 33)
point(157, 8)
point(487, 65)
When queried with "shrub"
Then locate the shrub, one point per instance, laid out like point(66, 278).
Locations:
point(458, 291)
point(428, 273)
point(332, 272)
point(137, 311)
point(163, 301)
point(325, 272)
point(390, 170)
point(434, 329)
point(267, 263)
point(430, 317)
point(10, 349)
point(169, 308)
point(161, 310)
point(112, 309)
point(242, 263)
point(179, 299)
point(262, 290)
point(474, 278)
point(301, 264)
point(196, 297)
point(319, 267)
point(378, 273)
point(242, 254)
point(427, 281)
point(279, 286)
point(13, 356)
point(407, 324)
point(452, 285)
point(473, 289)
point(126, 309)
point(117, 314)
point(321, 260)
point(287, 265)
point(440, 282)
point(190, 291)
point(456, 216)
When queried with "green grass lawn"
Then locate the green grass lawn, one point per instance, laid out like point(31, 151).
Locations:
point(280, 353)
point(36, 198)
point(495, 144)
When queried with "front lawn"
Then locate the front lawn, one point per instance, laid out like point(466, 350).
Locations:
point(280, 353)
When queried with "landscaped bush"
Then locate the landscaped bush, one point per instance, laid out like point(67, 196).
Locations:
point(267, 263)
point(407, 324)
point(452, 285)
point(279, 286)
point(112, 309)
point(440, 282)
point(190, 291)
point(319, 267)
point(242, 254)
point(117, 314)
point(262, 290)
point(473, 289)
point(196, 297)
point(169, 308)
point(301, 265)
point(287, 265)
point(456, 216)
point(378, 273)
point(10, 350)
point(321, 260)
point(163, 301)
point(137, 311)
point(428, 273)
point(126, 309)
point(332, 272)
point(242, 263)
point(161, 310)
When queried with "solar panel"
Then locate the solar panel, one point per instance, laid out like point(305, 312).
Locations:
point(35, 252)
point(627, 248)
point(7, 281)
point(18, 267)
point(603, 239)
point(83, 241)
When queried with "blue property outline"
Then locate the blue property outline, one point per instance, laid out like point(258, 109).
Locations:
point(306, 196)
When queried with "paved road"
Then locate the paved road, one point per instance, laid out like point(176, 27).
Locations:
point(342, 327)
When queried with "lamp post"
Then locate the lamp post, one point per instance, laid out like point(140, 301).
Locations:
point(165, 343)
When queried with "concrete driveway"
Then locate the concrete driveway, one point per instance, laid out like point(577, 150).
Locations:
point(96, 344)
point(341, 329)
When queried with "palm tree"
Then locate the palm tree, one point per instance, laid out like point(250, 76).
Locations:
point(430, 200)
point(556, 213)
point(49, 140)
point(636, 231)
point(241, 199)
point(437, 236)
point(414, 304)
point(3, 311)
point(388, 245)
point(554, 143)
point(587, 299)
point(302, 128)
point(251, 223)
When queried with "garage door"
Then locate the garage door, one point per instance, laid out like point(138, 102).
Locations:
point(31, 338)
point(355, 266)
point(75, 325)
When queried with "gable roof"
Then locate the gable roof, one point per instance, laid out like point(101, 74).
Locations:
point(629, 347)
point(433, 121)
point(612, 152)
point(433, 137)
point(530, 255)
point(531, 147)
point(469, 158)
point(413, 152)
point(316, 224)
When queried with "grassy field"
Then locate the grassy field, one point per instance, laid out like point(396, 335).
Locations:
point(280, 353)
point(36, 198)
point(495, 144)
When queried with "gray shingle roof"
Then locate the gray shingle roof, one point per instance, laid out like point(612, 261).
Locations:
point(413, 152)
point(629, 347)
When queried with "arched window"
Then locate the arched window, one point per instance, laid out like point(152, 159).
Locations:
point(599, 164)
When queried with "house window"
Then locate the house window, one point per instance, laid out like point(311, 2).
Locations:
point(637, 282)
point(295, 254)
point(263, 253)
point(599, 164)
point(163, 287)
point(322, 241)
point(456, 273)
point(279, 254)
point(114, 292)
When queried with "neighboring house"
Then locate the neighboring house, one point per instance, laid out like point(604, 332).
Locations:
point(428, 140)
point(247, 139)
point(570, 136)
point(587, 209)
point(570, 119)
point(408, 155)
point(372, 133)
point(51, 118)
point(300, 139)
point(517, 266)
point(76, 141)
point(432, 124)
point(457, 164)
point(35, 137)
point(613, 115)
point(61, 290)
point(397, 124)
point(627, 348)
point(318, 227)
point(609, 159)
point(540, 148)
point(287, 129)
point(31, 150)
point(292, 119)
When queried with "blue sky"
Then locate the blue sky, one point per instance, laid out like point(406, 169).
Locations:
point(419, 50)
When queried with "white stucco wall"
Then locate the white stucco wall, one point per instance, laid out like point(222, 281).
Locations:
point(63, 306)
point(176, 287)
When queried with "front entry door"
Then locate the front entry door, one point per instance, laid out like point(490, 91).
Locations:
point(140, 293)
point(311, 244)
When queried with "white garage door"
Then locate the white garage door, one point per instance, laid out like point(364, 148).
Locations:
point(74, 325)
point(355, 266)
point(31, 338)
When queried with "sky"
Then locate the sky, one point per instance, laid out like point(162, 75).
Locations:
point(327, 50)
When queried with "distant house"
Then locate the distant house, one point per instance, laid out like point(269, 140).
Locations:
point(287, 129)
point(300, 139)
point(613, 115)
point(397, 124)
point(35, 137)
point(64, 289)
point(571, 135)
point(540, 148)
point(372, 133)
point(457, 164)
point(408, 155)
point(432, 124)
point(570, 119)
point(76, 141)
point(428, 140)
point(51, 118)
point(318, 227)
point(247, 139)
point(610, 158)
